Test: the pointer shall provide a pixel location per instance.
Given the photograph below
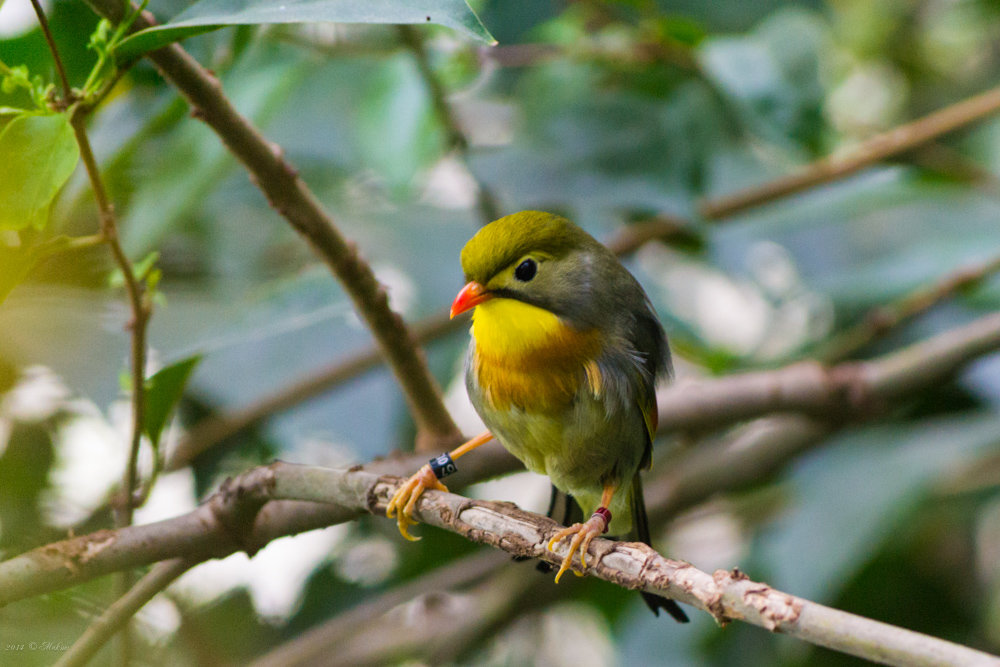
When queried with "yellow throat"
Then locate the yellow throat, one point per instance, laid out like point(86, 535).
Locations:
point(527, 357)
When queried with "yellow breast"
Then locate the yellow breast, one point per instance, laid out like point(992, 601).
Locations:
point(529, 358)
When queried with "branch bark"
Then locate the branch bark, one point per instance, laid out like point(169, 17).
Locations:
point(728, 596)
point(210, 531)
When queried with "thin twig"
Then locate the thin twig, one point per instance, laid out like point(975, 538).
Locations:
point(43, 22)
point(138, 306)
point(292, 199)
point(880, 320)
point(137, 346)
point(116, 616)
point(893, 142)
point(140, 311)
point(485, 201)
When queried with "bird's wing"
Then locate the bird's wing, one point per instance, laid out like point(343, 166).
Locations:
point(650, 416)
point(651, 345)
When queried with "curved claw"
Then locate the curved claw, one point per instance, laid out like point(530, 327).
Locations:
point(583, 534)
point(404, 501)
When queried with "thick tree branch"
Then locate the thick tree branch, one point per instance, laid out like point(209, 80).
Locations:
point(728, 596)
point(809, 387)
point(216, 529)
point(293, 200)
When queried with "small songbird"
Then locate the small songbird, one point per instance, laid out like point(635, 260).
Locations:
point(565, 353)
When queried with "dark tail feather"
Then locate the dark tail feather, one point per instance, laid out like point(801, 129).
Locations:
point(640, 528)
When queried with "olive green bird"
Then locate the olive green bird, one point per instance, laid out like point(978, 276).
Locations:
point(565, 354)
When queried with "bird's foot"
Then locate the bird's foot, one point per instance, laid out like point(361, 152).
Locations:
point(582, 534)
point(403, 502)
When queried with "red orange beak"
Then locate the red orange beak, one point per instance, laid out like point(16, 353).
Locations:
point(471, 296)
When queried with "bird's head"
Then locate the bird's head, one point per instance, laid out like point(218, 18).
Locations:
point(540, 259)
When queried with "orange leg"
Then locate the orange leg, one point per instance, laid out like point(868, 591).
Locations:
point(584, 533)
point(404, 501)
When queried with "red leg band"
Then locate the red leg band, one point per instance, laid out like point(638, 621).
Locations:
point(605, 514)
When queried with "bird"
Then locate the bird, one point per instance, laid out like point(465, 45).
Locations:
point(564, 356)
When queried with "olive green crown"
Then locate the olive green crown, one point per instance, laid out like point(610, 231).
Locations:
point(506, 240)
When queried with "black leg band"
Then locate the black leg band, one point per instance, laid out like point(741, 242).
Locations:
point(443, 466)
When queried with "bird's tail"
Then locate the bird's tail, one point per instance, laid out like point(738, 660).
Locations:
point(640, 530)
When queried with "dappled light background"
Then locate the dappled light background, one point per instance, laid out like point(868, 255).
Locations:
point(609, 113)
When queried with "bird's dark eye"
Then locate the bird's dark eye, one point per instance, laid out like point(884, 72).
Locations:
point(526, 270)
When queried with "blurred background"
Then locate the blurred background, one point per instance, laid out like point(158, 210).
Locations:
point(610, 113)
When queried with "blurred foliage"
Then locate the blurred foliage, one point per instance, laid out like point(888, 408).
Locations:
point(608, 112)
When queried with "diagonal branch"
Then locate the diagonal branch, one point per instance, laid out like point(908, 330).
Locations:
point(876, 149)
point(217, 528)
point(293, 200)
point(124, 608)
point(882, 319)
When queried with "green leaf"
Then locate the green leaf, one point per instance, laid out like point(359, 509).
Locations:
point(37, 156)
point(210, 15)
point(163, 391)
